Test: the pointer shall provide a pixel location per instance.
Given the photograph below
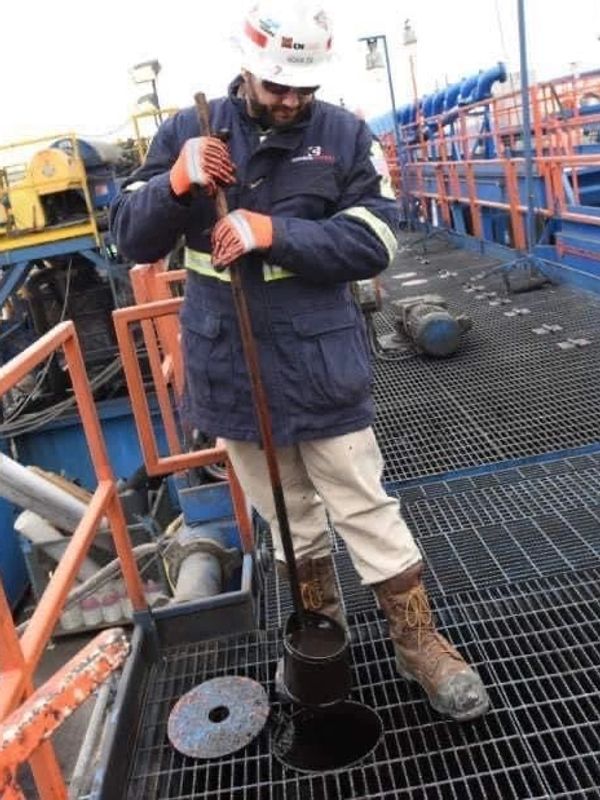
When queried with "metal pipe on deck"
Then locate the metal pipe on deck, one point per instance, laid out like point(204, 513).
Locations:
point(200, 575)
point(31, 491)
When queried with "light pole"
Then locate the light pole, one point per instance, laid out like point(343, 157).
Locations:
point(527, 146)
point(410, 42)
point(375, 60)
point(146, 73)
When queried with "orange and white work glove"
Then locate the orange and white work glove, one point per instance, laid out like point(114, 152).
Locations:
point(204, 161)
point(238, 233)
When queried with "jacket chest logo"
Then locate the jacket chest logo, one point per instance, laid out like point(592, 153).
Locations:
point(314, 153)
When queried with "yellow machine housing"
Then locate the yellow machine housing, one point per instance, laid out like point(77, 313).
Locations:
point(47, 199)
point(50, 171)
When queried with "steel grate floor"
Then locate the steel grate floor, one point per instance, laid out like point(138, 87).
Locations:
point(535, 644)
point(508, 393)
point(488, 530)
point(513, 571)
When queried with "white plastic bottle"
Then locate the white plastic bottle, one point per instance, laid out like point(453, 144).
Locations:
point(111, 607)
point(91, 610)
point(71, 618)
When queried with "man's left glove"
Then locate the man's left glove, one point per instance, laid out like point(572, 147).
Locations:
point(238, 233)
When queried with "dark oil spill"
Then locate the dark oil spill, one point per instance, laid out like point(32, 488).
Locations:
point(321, 740)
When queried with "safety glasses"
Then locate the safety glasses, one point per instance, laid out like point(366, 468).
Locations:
point(280, 89)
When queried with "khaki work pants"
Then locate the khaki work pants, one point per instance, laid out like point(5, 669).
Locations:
point(343, 475)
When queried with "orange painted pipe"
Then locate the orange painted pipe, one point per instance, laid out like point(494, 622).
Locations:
point(22, 732)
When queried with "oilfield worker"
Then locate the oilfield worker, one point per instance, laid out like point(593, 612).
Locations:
point(310, 214)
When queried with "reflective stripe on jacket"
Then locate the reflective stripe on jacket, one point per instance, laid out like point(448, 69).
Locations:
point(201, 263)
point(334, 221)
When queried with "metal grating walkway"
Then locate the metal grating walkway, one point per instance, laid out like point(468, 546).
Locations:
point(508, 393)
point(488, 530)
point(535, 644)
point(513, 570)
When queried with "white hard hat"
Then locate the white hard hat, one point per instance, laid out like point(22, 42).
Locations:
point(287, 41)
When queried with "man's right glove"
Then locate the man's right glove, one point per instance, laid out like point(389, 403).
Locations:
point(204, 161)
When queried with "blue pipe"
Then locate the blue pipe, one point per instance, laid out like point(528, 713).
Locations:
point(438, 101)
point(452, 93)
point(486, 79)
point(467, 89)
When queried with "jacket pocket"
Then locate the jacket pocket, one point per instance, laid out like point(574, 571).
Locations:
point(208, 360)
point(335, 364)
point(308, 189)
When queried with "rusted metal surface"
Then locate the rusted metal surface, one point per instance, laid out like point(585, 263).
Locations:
point(218, 717)
point(10, 789)
point(39, 716)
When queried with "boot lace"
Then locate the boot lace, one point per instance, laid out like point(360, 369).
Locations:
point(417, 613)
point(311, 592)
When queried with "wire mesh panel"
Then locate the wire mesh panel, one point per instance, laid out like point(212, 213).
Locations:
point(509, 392)
point(483, 531)
point(507, 526)
point(535, 645)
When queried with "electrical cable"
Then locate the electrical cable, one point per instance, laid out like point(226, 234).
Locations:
point(30, 422)
point(44, 371)
point(379, 352)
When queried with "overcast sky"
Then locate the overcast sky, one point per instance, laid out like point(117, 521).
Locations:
point(65, 63)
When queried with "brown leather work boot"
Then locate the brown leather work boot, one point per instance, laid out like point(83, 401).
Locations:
point(318, 586)
point(423, 655)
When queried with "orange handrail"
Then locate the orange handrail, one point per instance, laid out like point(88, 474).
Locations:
point(19, 658)
point(150, 315)
point(45, 709)
point(443, 169)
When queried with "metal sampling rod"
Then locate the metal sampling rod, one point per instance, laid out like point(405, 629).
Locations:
point(258, 392)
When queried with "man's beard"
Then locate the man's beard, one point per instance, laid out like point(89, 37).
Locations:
point(264, 115)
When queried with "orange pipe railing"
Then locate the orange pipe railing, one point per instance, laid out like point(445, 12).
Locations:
point(452, 154)
point(22, 732)
point(155, 312)
point(19, 658)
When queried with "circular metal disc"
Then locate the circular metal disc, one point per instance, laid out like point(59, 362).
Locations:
point(218, 717)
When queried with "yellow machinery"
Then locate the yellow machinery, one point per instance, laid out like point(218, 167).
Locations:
point(49, 172)
point(48, 200)
point(63, 183)
point(55, 194)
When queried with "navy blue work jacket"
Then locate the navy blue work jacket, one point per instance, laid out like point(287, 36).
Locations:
point(334, 221)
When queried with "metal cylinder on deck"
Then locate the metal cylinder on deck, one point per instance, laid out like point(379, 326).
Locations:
point(316, 660)
point(433, 329)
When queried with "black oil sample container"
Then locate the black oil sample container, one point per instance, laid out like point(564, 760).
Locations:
point(316, 660)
